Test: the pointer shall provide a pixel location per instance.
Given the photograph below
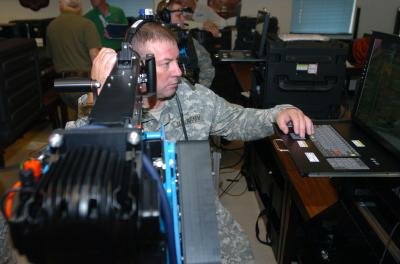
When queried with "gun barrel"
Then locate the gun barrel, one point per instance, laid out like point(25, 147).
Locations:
point(69, 85)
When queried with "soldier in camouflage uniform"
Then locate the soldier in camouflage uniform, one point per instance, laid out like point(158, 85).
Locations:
point(7, 255)
point(207, 70)
point(204, 114)
point(196, 52)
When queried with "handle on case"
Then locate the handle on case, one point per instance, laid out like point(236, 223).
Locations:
point(276, 146)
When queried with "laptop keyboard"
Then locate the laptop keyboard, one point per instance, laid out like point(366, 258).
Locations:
point(331, 144)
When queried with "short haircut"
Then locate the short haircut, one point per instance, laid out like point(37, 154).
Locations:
point(151, 32)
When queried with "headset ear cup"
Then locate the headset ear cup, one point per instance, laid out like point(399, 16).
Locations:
point(135, 27)
point(165, 15)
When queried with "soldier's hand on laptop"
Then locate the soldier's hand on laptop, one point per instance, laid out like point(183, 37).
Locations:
point(301, 123)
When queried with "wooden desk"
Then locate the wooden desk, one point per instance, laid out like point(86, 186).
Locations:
point(242, 72)
point(291, 199)
point(308, 196)
point(322, 220)
point(313, 195)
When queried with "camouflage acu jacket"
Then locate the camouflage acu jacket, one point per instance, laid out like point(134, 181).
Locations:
point(205, 114)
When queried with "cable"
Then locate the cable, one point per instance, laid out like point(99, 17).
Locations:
point(389, 241)
point(181, 116)
point(236, 194)
point(267, 241)
point(165, 209)
point(230, 184)
point(231, 170)
point(4, 198)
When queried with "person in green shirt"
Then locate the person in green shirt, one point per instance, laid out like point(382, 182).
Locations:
point(103, 14)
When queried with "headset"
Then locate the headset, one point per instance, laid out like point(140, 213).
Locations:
point(164, 15)
point(146, 16)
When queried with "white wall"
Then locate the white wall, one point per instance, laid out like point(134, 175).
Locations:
point(375, 15)
point(12, 9)
point(281, 9)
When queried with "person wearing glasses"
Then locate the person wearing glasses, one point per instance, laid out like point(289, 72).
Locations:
point(195, 59)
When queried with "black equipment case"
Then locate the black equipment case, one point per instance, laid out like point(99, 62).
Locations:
point(306, 74)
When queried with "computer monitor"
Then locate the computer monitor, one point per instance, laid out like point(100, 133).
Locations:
point(7, 30)
point(33, 28)
point(380, 89)
point(261, 32)
point(327, 17)
point(257, 51)
point(396, 28)
point(131, 8)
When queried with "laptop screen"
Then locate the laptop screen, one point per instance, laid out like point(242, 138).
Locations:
point(378, 106)
point(328, 17)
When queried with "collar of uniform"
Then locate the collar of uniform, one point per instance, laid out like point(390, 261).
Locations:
point(164, 119)
point(184, 81)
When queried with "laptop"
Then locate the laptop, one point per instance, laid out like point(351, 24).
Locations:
point(257, 54)
point(368, 145)
point(116, 31)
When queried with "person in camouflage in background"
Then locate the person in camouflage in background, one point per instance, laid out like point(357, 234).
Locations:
point(204, 114)
point(7, 255)
point(200, 56)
